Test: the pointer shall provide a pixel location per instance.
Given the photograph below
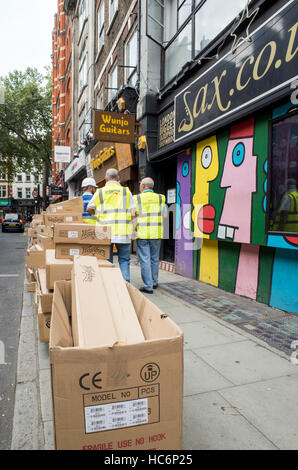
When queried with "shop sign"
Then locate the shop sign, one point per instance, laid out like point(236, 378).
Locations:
point(113, 127)
point(62, 154)
point(100, 154)
point(124, 156)
point(166, 128)
point(250, 77)
point(5, 202)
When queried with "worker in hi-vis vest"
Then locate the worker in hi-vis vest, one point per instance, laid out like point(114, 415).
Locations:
point(113, 205)
point(89, 187)
point(286, 219)
point(151, 209)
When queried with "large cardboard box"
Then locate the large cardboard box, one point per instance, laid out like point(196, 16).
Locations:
point(44, 325)
point(46, 243)
point(82, 234)
point(60, 269)
point(45, 295)
point(125, 397)
point(68, 251)
point(72, 205)
point(63, 218)
point(45, 230)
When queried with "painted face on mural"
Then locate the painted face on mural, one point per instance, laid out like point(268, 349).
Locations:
point(207, 166)
point(239, 179)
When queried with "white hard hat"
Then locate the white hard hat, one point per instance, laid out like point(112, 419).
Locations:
point(89, 182)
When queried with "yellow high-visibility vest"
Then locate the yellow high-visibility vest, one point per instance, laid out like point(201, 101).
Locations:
point(150, 207)
point(112, 204)
point(291, 224)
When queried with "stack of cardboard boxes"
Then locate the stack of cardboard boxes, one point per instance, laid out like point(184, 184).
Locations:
point(116, 359)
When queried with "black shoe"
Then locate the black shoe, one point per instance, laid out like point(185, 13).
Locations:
point(142, 289)
point(155, 287)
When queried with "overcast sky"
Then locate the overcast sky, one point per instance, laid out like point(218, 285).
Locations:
point(26, 34)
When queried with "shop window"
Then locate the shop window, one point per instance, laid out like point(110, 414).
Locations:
point(283, 212)
point(100, 26)
point(131, 54)
point(3, 191)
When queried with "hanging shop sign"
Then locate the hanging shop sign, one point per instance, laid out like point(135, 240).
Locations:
point(113, 127)
point(124, 156)
point(62, 154)
point(254, 75)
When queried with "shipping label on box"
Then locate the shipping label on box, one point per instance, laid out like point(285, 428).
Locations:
point(52, 219)
point(68, 251)
point(82, 234)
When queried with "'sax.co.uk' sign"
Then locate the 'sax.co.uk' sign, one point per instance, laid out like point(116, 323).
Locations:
point(248, 77)
point(113, 127)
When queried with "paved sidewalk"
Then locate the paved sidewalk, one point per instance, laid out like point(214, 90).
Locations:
point(239, 391)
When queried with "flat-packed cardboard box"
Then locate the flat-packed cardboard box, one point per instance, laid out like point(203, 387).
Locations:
point(126, 397)
point(68, 251)
point(62, 218)
point(31, 286)
point(60, 269)
point(35, 257)
point(72, 205)
point(45, 295)
point(92, 322)
point(30, 275)
point(82, 234)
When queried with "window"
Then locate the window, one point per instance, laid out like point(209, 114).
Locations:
point(155, 20)
point(100, 26)
point(82, 13)
point(3, 191)
point(184, 11)
point(28, 178)
point(28, 193)
point(206, 30)
point(19, 178)
point(83, 69)
point(82, 126)
point(113, 8)
point(20, 193)
point(2, 176)
point(197, 24)
point(131, 59)
point(283, 212)
point(113, 82)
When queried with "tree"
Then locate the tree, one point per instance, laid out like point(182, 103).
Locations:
point(26, 122)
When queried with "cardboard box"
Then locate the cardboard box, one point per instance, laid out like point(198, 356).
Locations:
point(60, 269)
point(44, 325)
point(72, 205)
point(72, 249)
point(92, 322)
point(62, 218)
point(31, 286)
point(35, 257)
point(143, 382)
point(46, 243)
point(45, 230)
point(82, 234)
point(30, 275)
point(45, 295)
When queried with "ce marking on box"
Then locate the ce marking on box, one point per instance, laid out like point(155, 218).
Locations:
point(86, 380)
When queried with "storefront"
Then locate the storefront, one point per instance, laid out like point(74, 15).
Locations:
point(230, 131)
point(74, 174)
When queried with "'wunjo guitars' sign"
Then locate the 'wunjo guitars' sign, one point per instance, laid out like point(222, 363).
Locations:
point(113, 127)
point(250, 76)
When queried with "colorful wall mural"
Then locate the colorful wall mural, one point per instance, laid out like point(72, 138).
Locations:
point(228, 191)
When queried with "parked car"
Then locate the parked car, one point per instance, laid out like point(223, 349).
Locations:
point(14, 222)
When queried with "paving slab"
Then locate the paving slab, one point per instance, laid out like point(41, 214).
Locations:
point(201, 335)
point(271, 406)
point(199, 377)
point(244, 362)
point(210, 423)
